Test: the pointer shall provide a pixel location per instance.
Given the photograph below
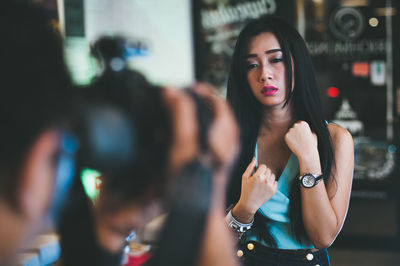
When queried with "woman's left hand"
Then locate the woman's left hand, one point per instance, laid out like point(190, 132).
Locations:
point(301, 140)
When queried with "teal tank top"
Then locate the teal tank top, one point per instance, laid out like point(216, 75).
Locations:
point(277, 210)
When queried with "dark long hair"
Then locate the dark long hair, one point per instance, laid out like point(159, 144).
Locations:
point(35, 87)
point(304, 99)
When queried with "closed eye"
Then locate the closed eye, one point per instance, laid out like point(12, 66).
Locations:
point(276, 60)
point(251, 66)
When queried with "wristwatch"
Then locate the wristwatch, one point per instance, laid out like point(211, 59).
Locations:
point(309, 180)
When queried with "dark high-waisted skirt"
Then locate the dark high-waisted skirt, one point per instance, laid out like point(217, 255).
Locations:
point(254, 254)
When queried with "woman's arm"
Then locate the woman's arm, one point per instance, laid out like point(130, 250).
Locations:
point(324, 208)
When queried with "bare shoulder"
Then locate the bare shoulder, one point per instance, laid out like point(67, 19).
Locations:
point(340, 137)
point(339, 187)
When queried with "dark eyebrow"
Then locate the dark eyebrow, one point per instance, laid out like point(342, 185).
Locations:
point(267, 52)
point(273, 51)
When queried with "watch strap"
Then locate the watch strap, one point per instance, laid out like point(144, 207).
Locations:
point(317, 179)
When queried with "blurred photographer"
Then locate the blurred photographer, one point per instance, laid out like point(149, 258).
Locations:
point(117, 215)
point(34, 100)
point(167, 134)
point(131, 183)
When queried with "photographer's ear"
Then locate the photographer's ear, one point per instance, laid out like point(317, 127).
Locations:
point(37, 175)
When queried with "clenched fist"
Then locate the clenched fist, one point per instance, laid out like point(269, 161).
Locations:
point(257, 188)
point(301, 140)
point(304, 144)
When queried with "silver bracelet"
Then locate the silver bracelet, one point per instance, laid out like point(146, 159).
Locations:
point(236, 225)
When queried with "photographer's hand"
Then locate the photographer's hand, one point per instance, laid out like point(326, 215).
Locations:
point(223, 135)
point(223, 141)
point(184, 146)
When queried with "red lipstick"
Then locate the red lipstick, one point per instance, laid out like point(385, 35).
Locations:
point(269, 90)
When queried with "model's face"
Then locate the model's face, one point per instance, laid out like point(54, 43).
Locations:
point(266, 71)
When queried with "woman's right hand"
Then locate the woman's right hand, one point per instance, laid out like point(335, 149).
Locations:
point(257, 189)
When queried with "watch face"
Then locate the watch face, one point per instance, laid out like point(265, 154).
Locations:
point(308, 181)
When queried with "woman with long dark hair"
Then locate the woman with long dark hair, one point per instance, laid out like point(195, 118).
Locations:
point(283, 213)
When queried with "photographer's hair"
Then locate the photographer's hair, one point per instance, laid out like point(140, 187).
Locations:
point(304, 98)
point(106, 49)
point(35, 90)
point(143, 103)
point(147, 176)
